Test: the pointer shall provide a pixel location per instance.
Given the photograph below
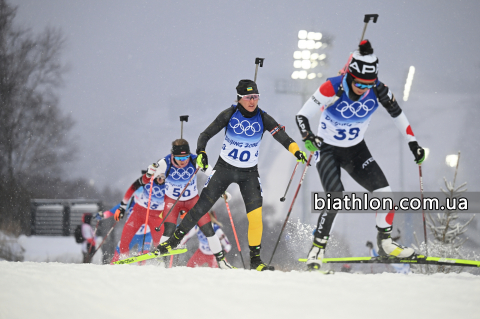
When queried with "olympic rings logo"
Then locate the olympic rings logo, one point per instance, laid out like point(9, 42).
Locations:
point(157, 191)
point(357, 108)
point(245, 127)
point(182, 173)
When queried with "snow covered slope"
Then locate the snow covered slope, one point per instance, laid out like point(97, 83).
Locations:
point(56, 290)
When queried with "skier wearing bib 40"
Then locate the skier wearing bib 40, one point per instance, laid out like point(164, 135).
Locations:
point(347, 103)
point(176, 169)
point(244, 125)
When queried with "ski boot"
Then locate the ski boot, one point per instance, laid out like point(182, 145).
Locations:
point(387, 247)
point(222, 261)
point(316, 253)
point(171, 243)
point(255, 262)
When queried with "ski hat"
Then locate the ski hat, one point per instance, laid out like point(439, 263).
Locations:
point(364, 64)
point(246, 87)
point(86, 218)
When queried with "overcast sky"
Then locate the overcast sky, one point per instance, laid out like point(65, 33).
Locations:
point(135, 66)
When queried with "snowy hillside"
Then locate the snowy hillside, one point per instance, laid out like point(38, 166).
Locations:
point(56, 290)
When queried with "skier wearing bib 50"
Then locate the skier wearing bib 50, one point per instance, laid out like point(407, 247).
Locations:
point(347, 102)
point(244, 125)
point(176, 169)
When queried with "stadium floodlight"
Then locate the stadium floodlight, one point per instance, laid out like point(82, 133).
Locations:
point(311, 45)
point(306, 64)
point(305, 54)
point(408, 84)
point(451, 160)
point(307, 57)
point(302, 34)
point(302, 74)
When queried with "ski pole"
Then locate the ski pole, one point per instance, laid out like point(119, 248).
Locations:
point(104, 239)
point(291, 206)
point(423, 211)
point(234, 232)
point(148, 209)
point(184, 189)
point(257, 62)
point(367, 18)
point(288, 186)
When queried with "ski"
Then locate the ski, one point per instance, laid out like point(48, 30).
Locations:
point(416, 259)
point(148, 256)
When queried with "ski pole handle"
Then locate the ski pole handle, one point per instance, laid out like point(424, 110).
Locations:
point(178, 198)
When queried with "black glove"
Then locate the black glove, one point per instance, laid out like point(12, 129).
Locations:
point(301, 157)
point(417, 151)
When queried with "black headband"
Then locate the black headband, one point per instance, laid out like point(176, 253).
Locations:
point(181, 149)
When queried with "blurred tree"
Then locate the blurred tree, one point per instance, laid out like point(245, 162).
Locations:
point(33, 131)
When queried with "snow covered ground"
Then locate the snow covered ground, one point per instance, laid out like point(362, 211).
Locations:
point(57, 290)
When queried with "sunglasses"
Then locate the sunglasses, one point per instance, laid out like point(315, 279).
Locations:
point(254, 97)
point(362, 85)
point(181, 158)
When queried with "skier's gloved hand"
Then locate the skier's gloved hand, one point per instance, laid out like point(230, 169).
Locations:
point(312, 142)
point(202, 160)
point(417, 151)
point(120, 212)
point(301, 156)
point(152, 169)
point(98, 215)
point(227, 196)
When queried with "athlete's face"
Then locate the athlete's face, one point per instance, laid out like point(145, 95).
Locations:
point(359, 91)
point(249, 105)
point(180, 163)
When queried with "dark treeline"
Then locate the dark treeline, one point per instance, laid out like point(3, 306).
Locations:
point(35, 144)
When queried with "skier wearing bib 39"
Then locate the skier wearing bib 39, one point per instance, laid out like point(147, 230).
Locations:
point(347, 102)
point(244, 125)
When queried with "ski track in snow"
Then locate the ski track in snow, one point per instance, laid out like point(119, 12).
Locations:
point(57, 290)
